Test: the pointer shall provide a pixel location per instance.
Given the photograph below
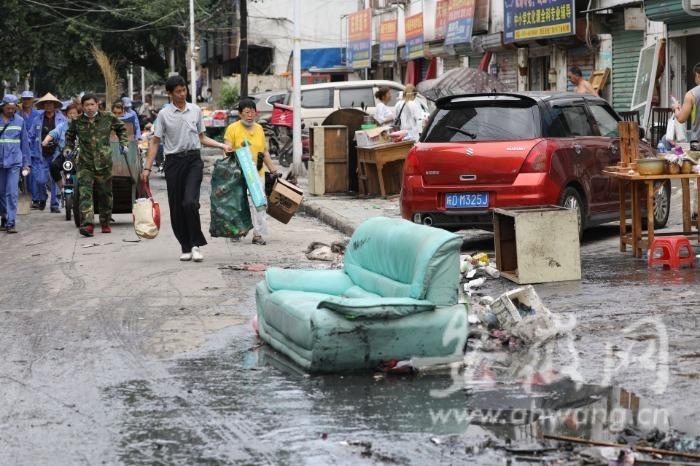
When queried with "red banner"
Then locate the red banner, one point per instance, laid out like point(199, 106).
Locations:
point(359, 38)
point(388, 36)
point(441, 19)
point(414, 36)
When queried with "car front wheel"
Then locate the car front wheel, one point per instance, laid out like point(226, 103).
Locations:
point(571, 199)
point(662, 203)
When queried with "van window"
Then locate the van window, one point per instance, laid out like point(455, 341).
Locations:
point(356, 97)
point(317, 98)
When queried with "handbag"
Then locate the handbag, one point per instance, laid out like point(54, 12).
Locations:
point(146, 213)
point(397, 121)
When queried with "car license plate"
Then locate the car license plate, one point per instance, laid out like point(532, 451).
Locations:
point(466, 200)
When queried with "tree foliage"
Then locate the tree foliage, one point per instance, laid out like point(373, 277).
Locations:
point(52, 40)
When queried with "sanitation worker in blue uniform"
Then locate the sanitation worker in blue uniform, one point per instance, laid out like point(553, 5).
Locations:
point(49, 118)
point(14, 159)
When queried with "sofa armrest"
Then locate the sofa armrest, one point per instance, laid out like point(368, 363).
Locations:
point(332, 282)
point(375, 308)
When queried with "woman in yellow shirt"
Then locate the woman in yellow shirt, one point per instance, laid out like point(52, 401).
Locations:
point(246, 129)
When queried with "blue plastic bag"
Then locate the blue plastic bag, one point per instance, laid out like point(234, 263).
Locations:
point(250, 174)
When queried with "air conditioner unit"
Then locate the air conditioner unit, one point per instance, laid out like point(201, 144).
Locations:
point(692, 7)
point(396, 2)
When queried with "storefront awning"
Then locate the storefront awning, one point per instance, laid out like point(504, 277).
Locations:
point(323, 58)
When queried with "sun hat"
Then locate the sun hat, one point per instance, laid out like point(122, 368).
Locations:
point(49, 97)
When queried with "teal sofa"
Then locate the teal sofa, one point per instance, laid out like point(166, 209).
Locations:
point(395, 298)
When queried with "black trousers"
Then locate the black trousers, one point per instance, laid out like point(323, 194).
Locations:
point(183, 175)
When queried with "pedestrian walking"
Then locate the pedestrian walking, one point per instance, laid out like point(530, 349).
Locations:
point(15, 158)
point(181, 129)
point(47, 120)
point(28, 114)
point(91, 133)
point(247, 130)
point(131, 116)
point(410, 114)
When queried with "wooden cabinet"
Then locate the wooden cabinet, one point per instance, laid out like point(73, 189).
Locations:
point(380, 168)
point(328, 167)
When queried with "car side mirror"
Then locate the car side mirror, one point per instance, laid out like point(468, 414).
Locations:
point(642, 133)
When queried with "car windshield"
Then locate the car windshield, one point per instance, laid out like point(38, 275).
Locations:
point(483, 120)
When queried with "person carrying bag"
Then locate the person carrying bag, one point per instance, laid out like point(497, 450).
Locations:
point(146, 212)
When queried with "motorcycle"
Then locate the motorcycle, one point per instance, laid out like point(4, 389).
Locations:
point(279, 135)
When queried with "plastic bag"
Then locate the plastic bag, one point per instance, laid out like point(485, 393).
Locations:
point(250, 174)
point(230, 214)
point(675, 131)
point(146, 214)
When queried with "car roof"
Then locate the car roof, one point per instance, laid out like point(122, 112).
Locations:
point(349, 84)
point(541, 96)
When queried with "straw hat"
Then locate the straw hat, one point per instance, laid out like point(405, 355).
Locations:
point(49, 97)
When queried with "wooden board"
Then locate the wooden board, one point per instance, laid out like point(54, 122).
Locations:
point(599, 78)
point(638, 177)
point(329, 167)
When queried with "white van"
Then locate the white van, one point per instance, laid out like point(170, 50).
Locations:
point(320, 100)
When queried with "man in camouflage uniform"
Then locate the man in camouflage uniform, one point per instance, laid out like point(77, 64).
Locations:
point(92, 131)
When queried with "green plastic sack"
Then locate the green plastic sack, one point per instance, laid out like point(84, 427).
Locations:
point(230, 214)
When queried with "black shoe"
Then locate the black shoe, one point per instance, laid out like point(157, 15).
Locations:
point(11, 230)
point(42, 205)
point(35, 205)
point(55, 210)
point(3, 224)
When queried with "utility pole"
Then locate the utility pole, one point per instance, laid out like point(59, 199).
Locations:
point(297, 165)
point(193, 63)
point(143, 85)
point(131, 82)
point(243, 50)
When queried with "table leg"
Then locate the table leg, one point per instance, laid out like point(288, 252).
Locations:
point(650, 213)
point(380, 175)
point(685, 186)
point(636, 216)
point(623, 215)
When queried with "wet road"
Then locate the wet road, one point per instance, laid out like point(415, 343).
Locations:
point(118, 354)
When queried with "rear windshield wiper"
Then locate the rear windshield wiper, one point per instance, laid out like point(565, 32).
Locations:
point(461, 131)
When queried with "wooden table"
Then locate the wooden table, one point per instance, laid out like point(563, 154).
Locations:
point(636, 238)
point(379, 156)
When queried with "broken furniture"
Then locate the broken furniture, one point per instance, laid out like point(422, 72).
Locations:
point(537, 244)
point(328, 167)
point(380, 168)
point(598, 79)
point(395, 298)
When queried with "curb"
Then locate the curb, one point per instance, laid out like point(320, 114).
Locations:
point(329, 217)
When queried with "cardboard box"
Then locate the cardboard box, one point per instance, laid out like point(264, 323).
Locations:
point(373, 137)
point(284, 200)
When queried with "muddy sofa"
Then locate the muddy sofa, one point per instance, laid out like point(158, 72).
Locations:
point(395, 298)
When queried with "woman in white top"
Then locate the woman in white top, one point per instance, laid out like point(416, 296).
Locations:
point(410, 113)
point(383, 113)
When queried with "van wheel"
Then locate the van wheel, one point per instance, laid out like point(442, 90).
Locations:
point(571, 199)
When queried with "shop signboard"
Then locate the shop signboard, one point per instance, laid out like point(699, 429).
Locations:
point(388, 40)
point(538, 19)
point(360, 39)
point(460, 20)
point(413, 28)
point(441, 18)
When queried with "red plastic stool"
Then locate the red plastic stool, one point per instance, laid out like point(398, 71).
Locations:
point(672, 247)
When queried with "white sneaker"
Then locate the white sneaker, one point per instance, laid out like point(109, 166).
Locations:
point(196, 255)
point(186, 256)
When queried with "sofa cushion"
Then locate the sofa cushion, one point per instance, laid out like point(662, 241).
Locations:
point(397, 258)
point(291, 312)
point(357, 292)
point(375, 308)
point(332, 282)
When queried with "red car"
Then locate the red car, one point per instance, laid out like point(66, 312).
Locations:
point(485, 151)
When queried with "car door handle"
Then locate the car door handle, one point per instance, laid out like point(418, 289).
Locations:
point(577, 148)
point(614, 148)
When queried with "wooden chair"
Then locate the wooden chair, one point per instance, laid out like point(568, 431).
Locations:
point(659, 121)
point(632, 115)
